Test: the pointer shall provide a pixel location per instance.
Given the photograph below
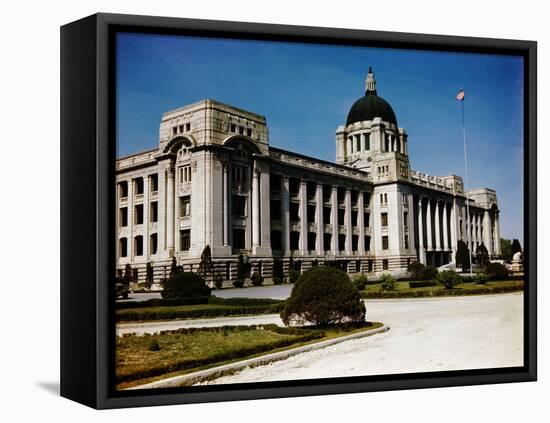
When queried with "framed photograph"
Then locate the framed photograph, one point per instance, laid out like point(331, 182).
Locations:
point(257, 211)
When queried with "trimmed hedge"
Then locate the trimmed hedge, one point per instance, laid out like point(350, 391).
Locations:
point(422, 284)
point(161, 302)
point(185, 364)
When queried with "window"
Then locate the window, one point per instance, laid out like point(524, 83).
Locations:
point(406, 220)
point(276, 240)
point(249, 132)
point(185, 206)
point(123, 220)
point(239, 205)
point(174, 130)
point(341, 216)
point(275, 183)
point(366, 217)
point(294, 186)
point(384, 198)
point(154, 211)
point(354, 217)
point(294, 211)
point(385, 242)
point(180, 129)
point(239, 174)
point(406, 241)
point(138, 186)
point(138, 245)
point(311, 209)
point(354, 242)
point(385, 265)
point(341, 242)
point(185, 239)
point(370, 265)
point(275, 209)
point(123, 189)
point(311, 240)
point(326, 215)
point(239, 238)
point(138, 214)
point(123, 247)
point(233, 128)
point(384, 219)
point(184, 174)
point(188, 126)
point(294, 240)
point(367, 243)
point(327, 241)
point(153, 243)
point(154, 181)
point(405, 198)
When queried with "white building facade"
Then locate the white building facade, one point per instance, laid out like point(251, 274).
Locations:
point(214, 180)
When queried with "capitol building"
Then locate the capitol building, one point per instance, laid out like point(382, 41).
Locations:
point(214, 180)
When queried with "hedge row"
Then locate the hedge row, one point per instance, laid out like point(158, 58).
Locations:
point(243, 301)
point(422, 284)
point(185, 364)
point(161, 302)
point(517, 286)
point(168, 313)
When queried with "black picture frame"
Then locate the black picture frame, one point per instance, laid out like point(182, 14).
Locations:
point(87, 175)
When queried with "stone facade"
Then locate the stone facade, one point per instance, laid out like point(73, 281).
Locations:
point(214, 180)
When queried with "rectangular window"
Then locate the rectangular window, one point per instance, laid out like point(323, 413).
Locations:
point(239, 205)
point(294, 211)
point(326, 215)
point(385, 265)
point(276, 240)
point(354, 242)
point(123, 247)
point(367, 243)
point(233, 128)
point(180, 129)
point(188, 126)
point(154, 212)
point(185, 206)
point(185, 174)
point(138, 242)
point(174, 130)
point(239, 238)
point(311, 240)
point(123, 221)
point(341, 216)
point(384, 219)
point(341, 242)
point(123, 189)
point(327, 242)
point(241, 130)
point(406, 220)
point(239, 174)
point(406, 241)
point(153, 244)
point(294, 240)
point(138, 214)
point(138, 186)
point(275, 209)
point(249, 132)
point(154, 181)
point(366, 217)
point(354, 214)
point(185, 240)
point(385, 242)
point(311, 209)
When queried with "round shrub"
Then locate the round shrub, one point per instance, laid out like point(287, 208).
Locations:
point(323, 295)
point(238, 283)
point(257, 279)
point(429, 273)
point(449, 278)
point(360, 282)
point(153, 345)
point(416, 269)
point(481, 278)
point(496, 271)
point(185, 285)
point(387, 282)
point(293, 276)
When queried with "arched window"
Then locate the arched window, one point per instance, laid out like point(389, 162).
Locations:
point(138, 245)
point(123, 247)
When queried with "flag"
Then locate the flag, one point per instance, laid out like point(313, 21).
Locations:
point(460, 95)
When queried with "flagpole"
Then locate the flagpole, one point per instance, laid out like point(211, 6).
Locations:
point(470, 247)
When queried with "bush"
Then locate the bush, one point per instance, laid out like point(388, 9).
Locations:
point(449, 278)
point(429, 273)
point(422, 284)
point(387, 282)
point(416, 269)
point(293, 276)
point(257, 279)
point(238, 283)
point(481, 278)
point(218, 281)
point(277, 281)
point(360, 282)
point(185, 285)
point(496, 271)
point(153, 345)
point(323, 295)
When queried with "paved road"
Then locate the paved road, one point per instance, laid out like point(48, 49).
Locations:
point(426, 335)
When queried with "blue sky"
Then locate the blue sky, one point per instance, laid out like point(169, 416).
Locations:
point(305, 91)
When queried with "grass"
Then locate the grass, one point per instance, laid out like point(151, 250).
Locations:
point(402, 289)
point(188, 350)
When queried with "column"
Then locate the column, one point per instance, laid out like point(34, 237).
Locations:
point(445, 229)
point(320, 227)
point(170, 221)
point(421, 252)
point(361, 221)
point(437, 227)
point(363, 142)
point(225, 189)
point(130, 203)
point(303, 218)
point(496, 244)
point(487, 232)
point(286, 214)
point(454, 229)
point(146, 206)
point(334, 219)
point(347, 221)
point(255, 208)
point(429, 246)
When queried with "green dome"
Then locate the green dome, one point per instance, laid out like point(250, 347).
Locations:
point(371, 106)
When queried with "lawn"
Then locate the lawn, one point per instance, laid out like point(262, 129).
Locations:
point(141, 359)
point(402, 289)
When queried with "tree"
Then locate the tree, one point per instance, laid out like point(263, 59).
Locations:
point(415, 269)
point(449, 278)
point(149, 276)
point(127, 278)
point(323, 296)
point(516, 247)
point(387, 282)
point(506, 249)
point(185, 285)
point(482, 255)
point(173, 268)
point(462, 257)
point(496, 271)
point(206, 266)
